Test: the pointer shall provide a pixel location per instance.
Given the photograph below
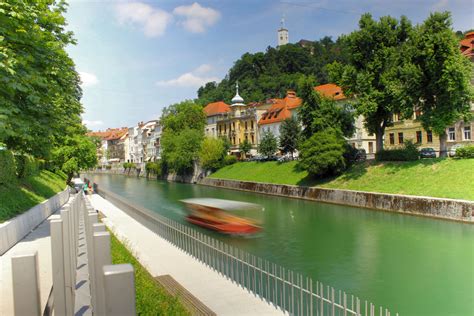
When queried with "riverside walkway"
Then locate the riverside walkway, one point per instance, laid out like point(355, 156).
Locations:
point(161, 258)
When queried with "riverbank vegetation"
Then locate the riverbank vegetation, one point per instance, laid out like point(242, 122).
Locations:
point(151, 298)
point(24, 193)
point(444, 178)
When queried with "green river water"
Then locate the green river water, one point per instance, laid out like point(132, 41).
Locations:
point(410, 265)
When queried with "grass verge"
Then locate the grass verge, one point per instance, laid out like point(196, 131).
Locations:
point(151, 298)
point(444, 178)
point(17, 197)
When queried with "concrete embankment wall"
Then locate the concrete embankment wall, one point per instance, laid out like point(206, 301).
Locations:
point(459, 210)
point(15, 229)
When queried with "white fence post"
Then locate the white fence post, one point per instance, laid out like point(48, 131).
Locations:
point(68, 262)
point(119, 286)
point(101, 258)
point(99, 227)
point(57, 256)
point(91, 220)
point(26, 293)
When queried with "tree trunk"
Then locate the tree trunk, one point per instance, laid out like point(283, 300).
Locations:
point(443, 138)
point(379, 139)
point(69, 178)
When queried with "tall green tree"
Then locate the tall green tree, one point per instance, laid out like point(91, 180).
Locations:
point(212, 153)
point(371, 69)
point(183, 132)
point(39, 87)
point(268, 144)
point(289, 136)
point(435, 77)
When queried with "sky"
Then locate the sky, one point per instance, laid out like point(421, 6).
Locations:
point(136, 57)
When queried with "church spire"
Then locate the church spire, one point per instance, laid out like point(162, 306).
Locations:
point(237, 100)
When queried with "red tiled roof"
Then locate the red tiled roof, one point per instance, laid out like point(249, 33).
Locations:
point(330, 90)
point(110, 133)
point(216, 108)
point(467, 45)
point(280, 110)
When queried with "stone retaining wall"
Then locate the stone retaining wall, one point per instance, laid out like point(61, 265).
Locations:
point(459, 210)
point(13, 230)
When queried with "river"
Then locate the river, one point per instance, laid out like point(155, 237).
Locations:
point(408, 264)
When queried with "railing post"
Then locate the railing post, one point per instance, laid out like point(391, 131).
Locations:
point(98, 227)
point(68, 263)
point(101, 258)
point(57, 256)
point(26, 293)
point(119, 286)
point(91, 220)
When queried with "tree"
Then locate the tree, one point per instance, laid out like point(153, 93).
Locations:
point(318, 113)
point(39, 87)
point(77, 153)
point(289, 136)
point(268, 144)
point(245, 147)
point(435, 78)
point(322, 153)
point(371, 70)
point(183, 131)
point(212, 153)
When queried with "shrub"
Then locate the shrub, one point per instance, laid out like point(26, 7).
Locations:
point(465, 152)
point(212, 153)
point(229, 160)
point(409, 152)
point(322, 153)
point(26, 166)
point(7, 167)
point(108, 167)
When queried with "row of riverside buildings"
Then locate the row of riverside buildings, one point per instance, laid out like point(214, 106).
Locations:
point(241, 121)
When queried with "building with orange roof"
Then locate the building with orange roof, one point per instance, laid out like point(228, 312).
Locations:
point(112, 146)
point(240, 123)
point(467, 45)
point(330, 90)
point(213, 111)
point(280, 110)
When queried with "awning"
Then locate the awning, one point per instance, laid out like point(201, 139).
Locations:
point(114, 160)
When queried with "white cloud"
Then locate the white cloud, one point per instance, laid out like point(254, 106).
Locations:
point(92, 123)
point(197, 18)
point(187, 80)
point(88, 79)
point(204, 68)
point(153, 21)
point(440, 5)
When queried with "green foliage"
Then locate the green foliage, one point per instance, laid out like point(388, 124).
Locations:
point(371, 70)
point(212, 153)
point(318, 113)
point(268, 144)
point(7, 167)
point(245, 147)
point(289, 135)
point(26, 165)
point(108, 167)
point(151, 299)
point(465, 152)
point(19, 195)
point(322, 153)
point(226, 142)
point(435, 76)
point(409, 152)
point(269, 74)
point(230, 160)
point(183, 131)
point(153, 167)
point(39, 87)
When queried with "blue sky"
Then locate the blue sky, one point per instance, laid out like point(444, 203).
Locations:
point(136, 57)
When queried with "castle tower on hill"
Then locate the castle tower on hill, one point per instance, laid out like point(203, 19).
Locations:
point(282, 33)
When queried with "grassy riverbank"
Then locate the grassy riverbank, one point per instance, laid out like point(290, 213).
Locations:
point(446, 178)
point(23, 194)
point(151, 298)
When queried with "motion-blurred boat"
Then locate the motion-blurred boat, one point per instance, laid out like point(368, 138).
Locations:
point(220, 215)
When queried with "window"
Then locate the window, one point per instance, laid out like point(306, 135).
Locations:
point(251, 124)
point(467, 132)
point(400, 138)
point(245, 125)
point(419, 137)
point(417, 114)
point(392, 139)
point(451, 133)
point(371, 147)
point(429, 136)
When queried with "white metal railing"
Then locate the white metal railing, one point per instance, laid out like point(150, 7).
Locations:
point(111, 287)
point(290, 291)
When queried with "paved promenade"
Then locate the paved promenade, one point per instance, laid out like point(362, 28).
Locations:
point(160, 257)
